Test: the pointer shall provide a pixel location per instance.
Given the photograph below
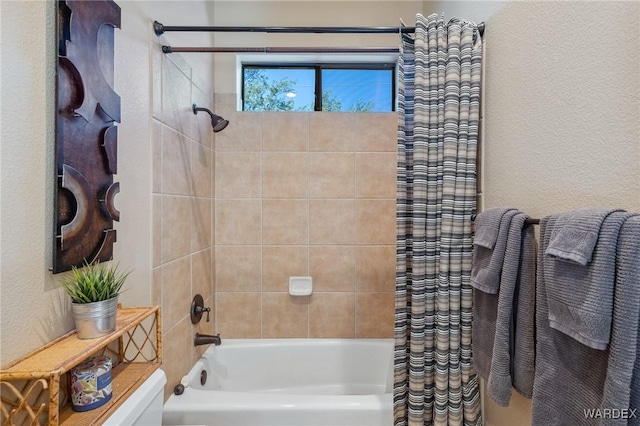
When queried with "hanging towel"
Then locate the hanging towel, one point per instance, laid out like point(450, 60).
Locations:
point(513, 365)
point(524, 354)
point(576, 233)
point(488, 226)
point(487, 267)
point(580, 298)
point(485, 303)
point(622, 382)
point(569, 376)
point(492, 227)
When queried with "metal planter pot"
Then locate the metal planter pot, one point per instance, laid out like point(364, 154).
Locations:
point(95, 319)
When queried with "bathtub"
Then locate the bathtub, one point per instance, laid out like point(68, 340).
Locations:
point(287, 382)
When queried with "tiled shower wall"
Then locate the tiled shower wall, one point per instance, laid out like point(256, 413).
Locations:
point(182, 209)
point(304, 194)
point(274, 195)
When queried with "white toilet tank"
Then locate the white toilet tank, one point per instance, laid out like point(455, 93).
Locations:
point(144, 406)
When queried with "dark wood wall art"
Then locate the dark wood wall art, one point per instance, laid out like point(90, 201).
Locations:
point(86, 135)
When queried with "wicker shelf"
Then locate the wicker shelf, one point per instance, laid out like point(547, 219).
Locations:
point(38, 383)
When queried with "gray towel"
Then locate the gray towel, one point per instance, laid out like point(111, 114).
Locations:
point(517, 279)
point(580, 298)
point(487, 262)
point(634, 397)
point(485, 304)
point(524, 354)
point(624, 349)
point(483, 331)
point(569, 376)
point(576, 233)
point(488, 226)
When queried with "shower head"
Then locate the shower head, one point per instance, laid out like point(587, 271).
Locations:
point(218, 123)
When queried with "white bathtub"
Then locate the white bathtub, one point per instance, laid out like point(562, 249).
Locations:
point(281, 382)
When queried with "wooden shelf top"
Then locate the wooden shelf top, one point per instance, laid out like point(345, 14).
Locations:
point(63, 353)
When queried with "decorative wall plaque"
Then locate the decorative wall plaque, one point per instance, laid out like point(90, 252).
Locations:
point(86, 135)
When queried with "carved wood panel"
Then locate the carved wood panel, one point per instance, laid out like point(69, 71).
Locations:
point(87, 110)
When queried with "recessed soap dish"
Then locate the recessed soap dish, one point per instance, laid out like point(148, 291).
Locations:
point(300, 286)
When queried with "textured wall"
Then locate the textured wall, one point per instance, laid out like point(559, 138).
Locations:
point(562, 106)
point(32, 310)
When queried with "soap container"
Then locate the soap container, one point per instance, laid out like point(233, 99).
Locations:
point(300, 286)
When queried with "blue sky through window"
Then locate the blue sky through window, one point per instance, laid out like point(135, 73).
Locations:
point(371, 89)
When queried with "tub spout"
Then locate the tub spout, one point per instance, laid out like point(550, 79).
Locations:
point(205, 339)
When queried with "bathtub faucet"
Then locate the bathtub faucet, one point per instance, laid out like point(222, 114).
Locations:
point(205, 339)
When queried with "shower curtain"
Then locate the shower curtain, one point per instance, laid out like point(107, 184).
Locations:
point(438, 108)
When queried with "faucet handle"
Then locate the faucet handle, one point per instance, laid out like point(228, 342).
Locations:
point(197, 308)
point(207, 310)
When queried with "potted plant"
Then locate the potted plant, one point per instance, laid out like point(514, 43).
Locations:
point(94, 291)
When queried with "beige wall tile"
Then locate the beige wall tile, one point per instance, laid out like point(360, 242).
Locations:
point(331, 175)
point(244, 132)
point(201, 223)
point(238, 268)
point(213, 221)
point(281, 262)
point(176, 291)
point(285, 221)
point(156, 287)
point(157, 229)
point(376, 175)
point(238, 222)
point(157, 84)
point(226, 101)
point(375, 315)
point(238, 315)
point(331, 221)
point(176, 227)
point(284, 315)
point(176, 164)
point(156, 156)
point(238, 175)
point(202, 273)
point(285, 175)
point(174, 362)
point(201, 129)
point(176, 96)
point(332, 268)
point(285, 131)
point(332, 315)
point(304, 193)
point(375, 268)
point(375, 222)
point(201, 170)
point(376, 132)
point(332, 131)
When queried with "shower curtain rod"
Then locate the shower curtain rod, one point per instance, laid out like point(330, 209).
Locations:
point(369, 50)
point(160, 29)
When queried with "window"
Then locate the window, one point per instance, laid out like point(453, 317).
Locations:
point(319, 87)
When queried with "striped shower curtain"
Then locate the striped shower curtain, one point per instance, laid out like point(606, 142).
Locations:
point(438, 107)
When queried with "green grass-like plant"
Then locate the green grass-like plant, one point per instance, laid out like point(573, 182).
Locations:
point(94, 282)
